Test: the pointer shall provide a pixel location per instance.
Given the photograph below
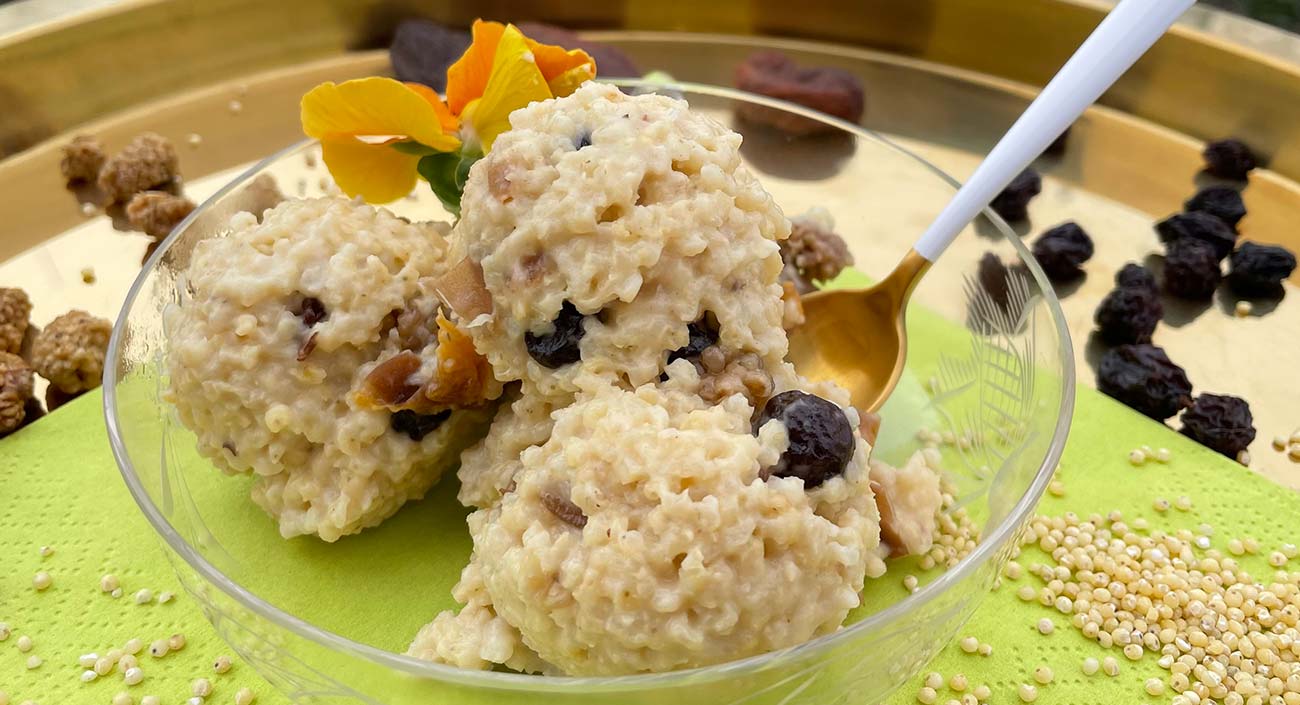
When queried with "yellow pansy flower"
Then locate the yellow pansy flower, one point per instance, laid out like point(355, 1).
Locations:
point(375, 132)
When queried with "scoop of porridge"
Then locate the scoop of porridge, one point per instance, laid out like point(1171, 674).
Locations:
point(273, 357)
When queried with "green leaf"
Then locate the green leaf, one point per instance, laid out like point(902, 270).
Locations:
point(446, 173)
point(413, 147)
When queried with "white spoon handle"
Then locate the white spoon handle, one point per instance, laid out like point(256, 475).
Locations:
point(1124, 35)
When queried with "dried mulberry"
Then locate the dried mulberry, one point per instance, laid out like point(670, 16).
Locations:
point(1196, 225)
point(1131, 311)
point(155, 213)
point(15, 312)
point(1229, 159)
point(1013, 202)
point(69, 352)
point(829, 90)
point(16, 386)
point(1062, 251)
point(1220, 422)
point(1259, 270)
point(83, 157)
point(1192, 269)
point(815, 251)
point(1222, 202)
point(148, 162)
point(422, 50)
point(1144, 379)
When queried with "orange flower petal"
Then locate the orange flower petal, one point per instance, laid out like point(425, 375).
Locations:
point(468, 77)
point(568, 82)
point(555, 61)
point(377, 173)
point(373, 107)
point(448, 121)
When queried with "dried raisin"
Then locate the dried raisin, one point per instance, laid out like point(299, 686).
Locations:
point(821, 439)
point(700, 335)
point(1229, 159)
point(561, 346)
point(312, 311)
point(1134, 275)
point(1013, 202)
point(1131, 311)
point(1144, 378)
point(1220, 422)
point(1222, 202)
point(1192, 269)
point(1259, 270)
point(1062, 250)
point(1196, 225)
point(417, 426)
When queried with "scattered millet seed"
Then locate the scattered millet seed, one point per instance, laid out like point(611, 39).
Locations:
point(1027, 693)
point(1294, 452)
point(201, 687)
point(1236, 548)
point(934, 680)
point(1043, 675)
point(235, 107)
point(109, 583)
point(104, 665)
point(133, 676)
point(143, 595)
point(1013, 570)
point(911, 583)
point(1251, 545)
point(985, 649)
point(1289, 550)
point(1090, 666)
point(158, 648)
point(1027, 593)
point(123, 698)
point(1136, 457)
point(42, 581)
point(1183, 503)
point(926, 696)
point(1163, 456)
point(970, 644)
point(222, 664)
point(87, 275)
point(117, 592)
point(1133, 652)
point(150, 700)
point(47, 551)
point(982, 692)
point(133, 646)
point(1154, 686)
point(1243, 309)
point(243, 697)
point(194, 139)
point(4, 698)
point(1202, 542)
point(24, 643)
point(5, 631)
point(176, 642)
point(196, 700)
point(88, 660)
point(1110, 666)
point(1045, 626)
point(1056, 488)
point(1161, 505)
point(88, 209)
point(957, 683)
point(1277, 559)
point(127, 661)
point(33, 662)
point(164, 597)
point(1279, 443)
point(1243, 457)
point(88, 676)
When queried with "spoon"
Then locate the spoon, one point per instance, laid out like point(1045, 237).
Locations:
point(857, 337)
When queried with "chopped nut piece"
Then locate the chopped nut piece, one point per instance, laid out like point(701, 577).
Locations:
point(155, 213)
point(149, 161)
point(69, 352)
point(15, 312)
point(726, 374)
point(908, 498)
point(463, 290)
point(792, 315)
point(83, 157)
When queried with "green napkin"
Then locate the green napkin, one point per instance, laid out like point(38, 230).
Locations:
point(61, 488)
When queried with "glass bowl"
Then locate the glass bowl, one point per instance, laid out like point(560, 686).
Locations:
point(989, 380)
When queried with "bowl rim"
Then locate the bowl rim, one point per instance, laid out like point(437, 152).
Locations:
point(983, 552)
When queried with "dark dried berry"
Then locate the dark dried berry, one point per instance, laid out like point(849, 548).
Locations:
point(821, 439)
point(1198, 226)
point(1062, 250)
point(1220, 422)
point(1222, 202)
point(1129, 314)
point(993, 279)
point(311, 311)
point(700, 336)
point(582, 140)
point(774, 74)
point(1013, 203)
point(1259, 270)
point(417, 426)
point(1229, 159)
point(422, 50)
point(1145, 379)
point(561, 346)
point(1192, 269)
point(1057, 147)
point(1135, 276)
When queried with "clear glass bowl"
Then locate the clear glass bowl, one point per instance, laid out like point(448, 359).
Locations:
point(989, 363)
